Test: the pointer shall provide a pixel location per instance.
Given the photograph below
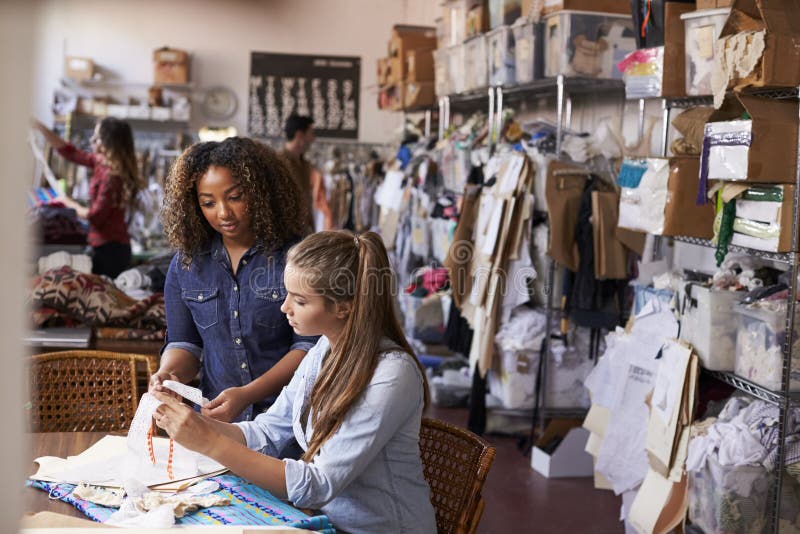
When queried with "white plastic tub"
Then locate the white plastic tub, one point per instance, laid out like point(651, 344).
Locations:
point(702, 30)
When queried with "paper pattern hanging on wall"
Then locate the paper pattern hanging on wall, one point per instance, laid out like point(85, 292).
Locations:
point(325, 88)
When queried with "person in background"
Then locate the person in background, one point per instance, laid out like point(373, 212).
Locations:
point(231, 211)
point(354, 405)
point(112, 191)
point(299, 131)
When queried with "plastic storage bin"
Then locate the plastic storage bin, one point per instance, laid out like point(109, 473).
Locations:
point(731, 499)
point(455, 69)
point(502, 64)
point(702, 30)
point(475, 63)
point(759, 342)
point(528, 51)
point(708, 323)
point(441, 76)
point(579, 43)
point(504, 12)
point(455, 22)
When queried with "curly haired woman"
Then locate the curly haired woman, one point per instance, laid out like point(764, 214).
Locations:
point(112, 190)
point(231, 211)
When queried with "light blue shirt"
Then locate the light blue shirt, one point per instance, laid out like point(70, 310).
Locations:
point(368, 476)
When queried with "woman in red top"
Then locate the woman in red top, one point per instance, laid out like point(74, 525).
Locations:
point(112, 190)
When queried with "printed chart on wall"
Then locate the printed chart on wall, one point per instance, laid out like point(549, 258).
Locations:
point(326, 88)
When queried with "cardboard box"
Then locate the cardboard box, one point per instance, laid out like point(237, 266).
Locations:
point(477, 20)
point(674, 75)
point(405, 38)
point(417, 95)
point(396, 71)
point(170, 65)
point(780, 61)
point(78, 68)
point(569, 458)
point(784, 242)
point(682, 216)
point(601, 6)
point(419, 66)
point(713, 4)
point(383, 70)
point(391, 97)
point(772, 154)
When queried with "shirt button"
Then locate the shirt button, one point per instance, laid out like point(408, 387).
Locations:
point(274, 295)
point(200, 296)
point(238, 341)
point(244, 366)
point(236, 313)
point(235, 287)
point(244, 262)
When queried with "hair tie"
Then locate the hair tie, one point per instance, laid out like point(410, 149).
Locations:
point(356, 241)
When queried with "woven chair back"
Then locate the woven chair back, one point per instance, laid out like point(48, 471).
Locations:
point(84, 390)
point(455, 462)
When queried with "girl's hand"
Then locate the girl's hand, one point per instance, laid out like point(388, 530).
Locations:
point(156, 381)
point(184, 425)
point(227, 405)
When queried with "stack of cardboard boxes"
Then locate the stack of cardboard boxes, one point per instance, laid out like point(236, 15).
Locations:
point(405, 77)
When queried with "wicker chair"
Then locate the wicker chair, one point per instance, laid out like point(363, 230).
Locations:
point(84, 390)
point(455, 462)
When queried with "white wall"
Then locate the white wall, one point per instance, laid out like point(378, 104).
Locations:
point(121, 35)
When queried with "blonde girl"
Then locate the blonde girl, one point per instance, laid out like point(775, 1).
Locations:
point(354, 405)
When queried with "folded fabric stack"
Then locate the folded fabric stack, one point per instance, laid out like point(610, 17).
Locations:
point(66, 295)
point(59, 226)
point(77, 262)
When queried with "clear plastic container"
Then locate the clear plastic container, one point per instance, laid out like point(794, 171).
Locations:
point(504, 12)
point(730, 499)
point(759, 345)
point(529, 51)
point(475, 63)
point(441, 76)
point(455, 22)
point(701, 29)
point(585, 44)
point(502, 64)
point(455, 69)
point(708, 323)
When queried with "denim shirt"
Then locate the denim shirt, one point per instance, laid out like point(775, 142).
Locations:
point(232, 323)
point(368, 476)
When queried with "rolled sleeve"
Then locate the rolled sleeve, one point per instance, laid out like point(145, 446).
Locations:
point(181, 330)
point(196, 351)
point(394, 394)
point(303, 342)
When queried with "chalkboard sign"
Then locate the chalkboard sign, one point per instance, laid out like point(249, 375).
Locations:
point(325, 88)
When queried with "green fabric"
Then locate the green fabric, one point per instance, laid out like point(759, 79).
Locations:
point(764, 194)
point(725, 231)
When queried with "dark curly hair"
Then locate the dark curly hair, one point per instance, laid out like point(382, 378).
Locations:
point(273, 202)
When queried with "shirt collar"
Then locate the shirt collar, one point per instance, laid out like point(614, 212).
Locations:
point(217, 250)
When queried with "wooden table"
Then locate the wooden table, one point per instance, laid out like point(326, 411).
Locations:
point(61, 444)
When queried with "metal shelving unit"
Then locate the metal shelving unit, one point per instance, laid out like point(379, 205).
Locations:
point(563, 88)
point(783, 398)
point(780, 257)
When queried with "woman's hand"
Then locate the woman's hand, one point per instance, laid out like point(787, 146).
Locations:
point(227, 405)
point(184, 425)
point(156, 384)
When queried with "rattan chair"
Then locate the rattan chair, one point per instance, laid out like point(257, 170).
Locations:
point(455, 462)
point(84, 390)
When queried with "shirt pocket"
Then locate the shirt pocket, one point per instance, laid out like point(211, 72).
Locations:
point(203, 304)
point(268, 309)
